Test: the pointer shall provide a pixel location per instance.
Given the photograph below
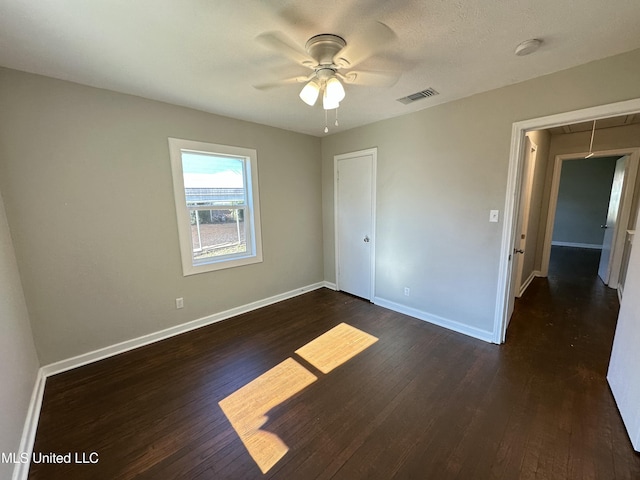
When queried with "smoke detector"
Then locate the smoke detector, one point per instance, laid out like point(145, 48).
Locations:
point(528, 46)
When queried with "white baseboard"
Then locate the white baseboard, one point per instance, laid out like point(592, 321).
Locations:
point(330, 286)
point(102, 353)
point(21, 470)
point(436, 320)
point(592, 246)
point(527, 282)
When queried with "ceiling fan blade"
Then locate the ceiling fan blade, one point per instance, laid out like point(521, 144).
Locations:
point(371, 78)
point(366, 43)
point(282, 44)
point(281, 83)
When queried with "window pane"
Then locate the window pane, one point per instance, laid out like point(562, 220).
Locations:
point(213, 180)
point(217, 205)
point(216, 233)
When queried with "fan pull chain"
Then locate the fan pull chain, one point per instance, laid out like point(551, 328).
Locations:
point(336, 123)
point(326, 129)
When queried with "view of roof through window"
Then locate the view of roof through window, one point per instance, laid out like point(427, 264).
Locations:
point(212, 179)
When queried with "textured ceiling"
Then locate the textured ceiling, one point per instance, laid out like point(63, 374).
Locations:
point(204, 54)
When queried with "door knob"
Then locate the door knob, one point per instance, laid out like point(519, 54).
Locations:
point(604, 226)
point(366, 239)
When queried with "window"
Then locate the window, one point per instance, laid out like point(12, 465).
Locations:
point(216, 194)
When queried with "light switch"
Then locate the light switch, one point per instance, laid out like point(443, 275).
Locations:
point(493, 216)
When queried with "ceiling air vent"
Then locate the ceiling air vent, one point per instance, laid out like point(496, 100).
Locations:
point(429, 92)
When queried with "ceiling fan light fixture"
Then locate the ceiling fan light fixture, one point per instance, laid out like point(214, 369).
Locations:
point(329, 102)
point(309, 93)
point(335, 90)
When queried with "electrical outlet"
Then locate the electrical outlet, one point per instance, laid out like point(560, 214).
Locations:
point(407, 291)
point(179, 302)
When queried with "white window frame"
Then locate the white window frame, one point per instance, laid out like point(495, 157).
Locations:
point(251, 214)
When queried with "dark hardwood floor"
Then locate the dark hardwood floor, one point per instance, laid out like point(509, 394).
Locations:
point(421, 403)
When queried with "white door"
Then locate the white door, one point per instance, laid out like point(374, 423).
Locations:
point(522, 223)
point(355, 222)
point(625, 356)
point(604, 270)
point(520, 250)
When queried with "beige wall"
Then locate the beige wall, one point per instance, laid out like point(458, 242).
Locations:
point(87, 184)
point(18, 360)
point(441, 170)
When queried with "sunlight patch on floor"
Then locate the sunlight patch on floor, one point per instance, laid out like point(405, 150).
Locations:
point(335, 347)
point(247, 408)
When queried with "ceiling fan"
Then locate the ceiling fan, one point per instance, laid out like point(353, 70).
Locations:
point(332, 60)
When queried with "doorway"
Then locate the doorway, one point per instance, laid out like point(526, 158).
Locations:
point(505, 292)
point(618, 217)
point(355, 202)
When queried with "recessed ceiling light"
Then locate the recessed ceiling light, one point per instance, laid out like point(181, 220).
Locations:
point(528, 46)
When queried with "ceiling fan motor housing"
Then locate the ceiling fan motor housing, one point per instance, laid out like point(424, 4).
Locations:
point(323, 48)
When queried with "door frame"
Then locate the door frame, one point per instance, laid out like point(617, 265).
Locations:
point(624, 213)
point(514, 185)
point(374, 161)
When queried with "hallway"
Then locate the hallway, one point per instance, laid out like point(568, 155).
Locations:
point(570, 308)
point(563, 329)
